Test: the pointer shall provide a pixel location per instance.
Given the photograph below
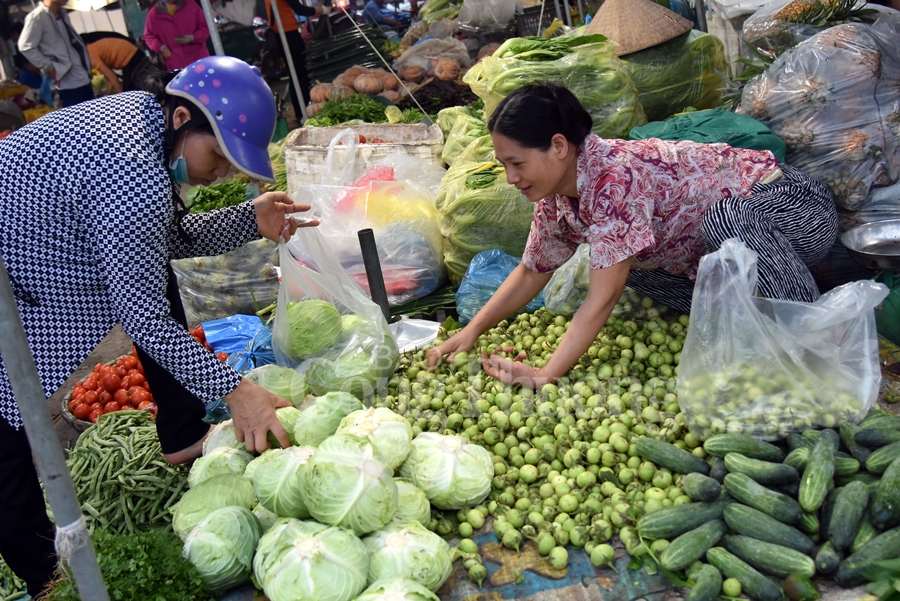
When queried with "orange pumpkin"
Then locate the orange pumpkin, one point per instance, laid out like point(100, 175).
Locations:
point(391, 95)
point(368, 83)
point(319, 92)
point(313, 108)
point(355, 71)
point(412, 73)
point(447, 69)
point(343, 80)
point(340, 92)
point(390, 81)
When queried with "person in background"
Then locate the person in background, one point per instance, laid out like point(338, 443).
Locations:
point(177, 30)
point(51, 44)
point(288, 11)
point(372, 14)
point(115, 53)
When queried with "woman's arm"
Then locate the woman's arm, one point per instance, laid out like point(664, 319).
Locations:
point(112, 80)
point(605, 289)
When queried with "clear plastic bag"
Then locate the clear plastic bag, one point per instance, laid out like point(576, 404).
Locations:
point(428, 52)
point(568, 287)
point(484, 275)
point(487, 15)
point(770, 31)
point(767, 367)
point(365, 353)
point(833, 100)
point(461, 127)
point(241, 281)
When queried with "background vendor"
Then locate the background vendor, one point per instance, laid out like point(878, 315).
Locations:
point(650, 209)
point(115, 53)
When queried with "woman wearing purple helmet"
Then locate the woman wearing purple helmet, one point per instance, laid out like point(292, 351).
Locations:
point(90, 217)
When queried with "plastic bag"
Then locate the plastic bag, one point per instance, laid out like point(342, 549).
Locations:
point(461, 127)
point(231, 334)
point(833, 100)
point(484, 275)
point(586, 65)
point(487, 15)
point(767, 367)
point(681, 73)
point(256, 353)
point(770, 30)
point(408, 168)
point(365, 354)
point(241, 281)
point(731, 9)
point(414, 334)
point(568, 286)
point(480, 211)
point(426, 54)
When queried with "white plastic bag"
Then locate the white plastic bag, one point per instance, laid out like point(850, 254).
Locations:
point(365, 354)
point(427, 53)
point(568, 287)
point(766, 367)
point(490, 15)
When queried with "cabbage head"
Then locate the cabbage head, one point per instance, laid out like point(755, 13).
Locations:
point(307, 561)
point(398, 589)
point(389, 433)
point(222, 547)
point(412, 504)
point(219, 461)
point(266, 518)
point(347, 484)
point(411, 551)
point(453, 472)
point(276, 481)
point(206, 497)
point(287, 416)
point(357, 369)
point(251, 467)
point(321, 419)
point(283, 381)
point(315, 325)
point(222, 436)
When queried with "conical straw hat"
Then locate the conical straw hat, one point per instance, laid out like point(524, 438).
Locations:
point(637, 24)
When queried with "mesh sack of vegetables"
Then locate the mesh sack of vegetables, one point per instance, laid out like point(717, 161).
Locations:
point(480, 211)
point(586, 65)
point(484, 275)
point(326, 327)
point(678, 74)
point(241, 281)
point(833, 100)
point(461, 126)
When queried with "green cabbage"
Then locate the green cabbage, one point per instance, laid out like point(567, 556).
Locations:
point(306, 561)
point(266, 518)
point(277, 481)
point(358, 367)
point(255, 463)
point(412, 504)
point(315, 326)
point(288, 417)
point(409, 551)
point(452, 472)
point(206, 497)
point(389, 433)
point(222, 546)
point(346, 484)
point(222, 436)
point(398, 589)
point(322, 418)
point(283, 381)
point(219, 461)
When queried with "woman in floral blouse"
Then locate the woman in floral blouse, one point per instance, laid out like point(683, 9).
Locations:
point(649, 209)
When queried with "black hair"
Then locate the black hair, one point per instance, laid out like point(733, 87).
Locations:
point(156, 83)
point(534, 113)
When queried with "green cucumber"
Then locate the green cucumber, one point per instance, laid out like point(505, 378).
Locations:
point(798, 587)
point(848, 432)
point(769, 558)
point(811, 434)
point(873, 415)
point(674, 521)
point(692, 545)
point(720, 445)
point(798, 458)
point(877, 437)
point(827, 559)
point(865, 532)
point(756, 524)
point(790, 490)
point(749, 492)
point(819, 472)
point(880, 459)
point(795, 441)
point(707, 585)
point(849, 505)
point(843, 466)
point(752, 582)
point(718, 470)
point(870, 480)
point(884, 546)
point(809, 523)
point(881, 421)
point(670, 457)
point(701, 488)
point(886, 500)
point(764, 472)
point(825, 512)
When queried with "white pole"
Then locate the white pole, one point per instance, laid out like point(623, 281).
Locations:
point(213, 30)
point(290, 62)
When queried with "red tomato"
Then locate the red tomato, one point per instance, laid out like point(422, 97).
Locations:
point(145, 405)
point(136, 378)
point(82, 411)
point(79, 387)
point(92, 382)
point(78, 395)
point(129, 362)
point(94, 415)
point(140, 395)
point(98, 367)
point(72, 404)
point(91, 397)
point(126, 383)
point(222, 356)
point(121, 371)
point(121, 396)
point(111, 407)
point(111, 381)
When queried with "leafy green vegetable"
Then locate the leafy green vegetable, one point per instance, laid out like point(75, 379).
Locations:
point(359, 106)
point(283, 381)
point(276, 481)
point(206, 497)
point(398, 589)
point(222, 546)
point(145, 565)
point(389, 433)
point(412, 504)
point(408, 551)
point(315, 326)
point(452, 472)
point(224, 194)
point(321, 419)
point(220, 461)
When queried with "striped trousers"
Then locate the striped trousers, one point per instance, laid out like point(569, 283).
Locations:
point(791, 224)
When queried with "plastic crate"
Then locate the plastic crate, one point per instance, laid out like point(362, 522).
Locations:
point(527, 22)
point(307, 148)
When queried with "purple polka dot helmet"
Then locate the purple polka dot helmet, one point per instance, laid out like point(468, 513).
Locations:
point(238, 104)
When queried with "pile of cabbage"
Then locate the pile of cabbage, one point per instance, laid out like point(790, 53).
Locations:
point(340, 510)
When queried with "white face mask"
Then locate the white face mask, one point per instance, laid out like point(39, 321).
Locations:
point(178, 167)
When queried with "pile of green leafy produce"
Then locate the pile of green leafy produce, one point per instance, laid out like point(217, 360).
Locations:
point(11, 587)
point(440, 9)
point(461, 126)
point(586, 65)
point(225, 194)
point(360, 107)
point(438, 95)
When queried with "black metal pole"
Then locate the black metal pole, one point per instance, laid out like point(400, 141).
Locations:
point(373, 271)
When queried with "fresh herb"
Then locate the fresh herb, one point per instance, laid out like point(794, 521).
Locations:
point(359, 106)
point(145, 565)
point(225, 194)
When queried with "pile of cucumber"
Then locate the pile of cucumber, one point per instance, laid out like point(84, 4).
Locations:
point(771, 519)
